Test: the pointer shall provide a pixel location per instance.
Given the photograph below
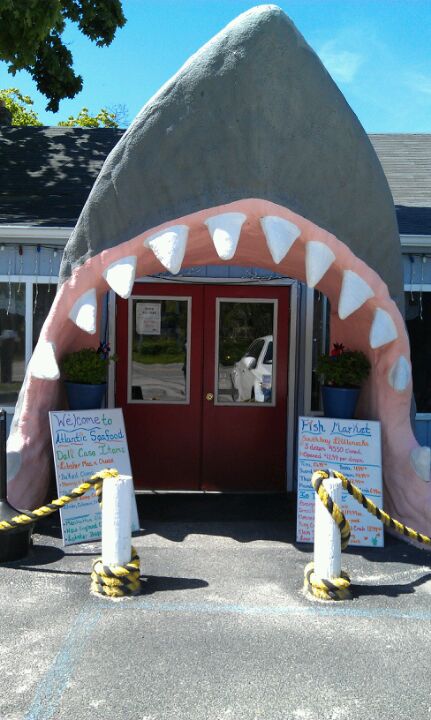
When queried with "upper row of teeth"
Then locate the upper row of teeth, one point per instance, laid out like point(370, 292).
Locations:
point(169, 247)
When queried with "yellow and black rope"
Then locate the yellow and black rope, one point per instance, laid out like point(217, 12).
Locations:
point(334, 510)
point(107, 580)
point(325, 588)
point(339, 588)
point(118, 580)
point(30, 516)
point(380, 514)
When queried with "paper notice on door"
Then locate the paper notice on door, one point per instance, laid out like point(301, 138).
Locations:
point(148, 318)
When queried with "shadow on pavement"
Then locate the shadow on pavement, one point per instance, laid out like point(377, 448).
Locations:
point(393, 591)
point(241, 517)
point(42, 555)
point(154, 583)
point(38, 555)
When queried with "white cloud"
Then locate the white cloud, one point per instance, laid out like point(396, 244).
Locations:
point(341, 64)
point(419, 82)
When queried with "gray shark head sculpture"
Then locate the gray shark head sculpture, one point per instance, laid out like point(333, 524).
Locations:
point(248, 155)
point(253, 114)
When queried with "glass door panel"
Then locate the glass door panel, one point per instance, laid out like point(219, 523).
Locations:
point(159, 350)
point(43, 297)
point(245, 351)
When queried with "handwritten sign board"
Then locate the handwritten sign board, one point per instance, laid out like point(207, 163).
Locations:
point(85, 442)
point(352, 447)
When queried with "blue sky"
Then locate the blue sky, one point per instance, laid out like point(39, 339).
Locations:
point(378, 52)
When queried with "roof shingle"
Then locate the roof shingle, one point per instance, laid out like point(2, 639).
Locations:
point(46, 173)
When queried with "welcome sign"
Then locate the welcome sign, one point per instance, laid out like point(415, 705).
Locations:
point(352, 447)
point(85, 442)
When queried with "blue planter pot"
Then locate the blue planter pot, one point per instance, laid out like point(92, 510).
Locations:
point(82, 396)
point(339, 402)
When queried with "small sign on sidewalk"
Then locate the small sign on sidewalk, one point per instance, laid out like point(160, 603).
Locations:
point(352, 447)
point(85, 442)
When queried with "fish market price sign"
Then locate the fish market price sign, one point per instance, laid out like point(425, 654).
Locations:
point(353, 447)
point(84, 443)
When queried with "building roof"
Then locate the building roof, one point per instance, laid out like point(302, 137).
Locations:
point(46, 174)
point(406, 160)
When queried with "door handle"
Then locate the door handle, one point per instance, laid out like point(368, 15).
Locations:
point(209, 396)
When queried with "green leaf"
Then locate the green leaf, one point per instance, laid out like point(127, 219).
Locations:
point(31, 39)
point(348, 368)
point(85, 366)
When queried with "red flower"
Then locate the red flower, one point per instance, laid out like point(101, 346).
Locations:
point(337, 350)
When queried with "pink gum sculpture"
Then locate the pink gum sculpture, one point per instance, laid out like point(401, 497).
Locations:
point(249, 232)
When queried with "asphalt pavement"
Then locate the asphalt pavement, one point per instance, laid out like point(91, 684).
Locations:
point(222, 630)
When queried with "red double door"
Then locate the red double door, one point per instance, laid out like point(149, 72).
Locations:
point(202, 380)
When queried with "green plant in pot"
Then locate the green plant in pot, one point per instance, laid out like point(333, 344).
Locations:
point(343, 373)
point(85, 374)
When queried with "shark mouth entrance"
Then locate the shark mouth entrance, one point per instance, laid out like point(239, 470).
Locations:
point(250, 232)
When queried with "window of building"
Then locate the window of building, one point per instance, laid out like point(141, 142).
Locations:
point(24, 305)
point(417, 279)
point(418, 321)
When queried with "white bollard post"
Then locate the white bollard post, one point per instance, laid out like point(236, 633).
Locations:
point(116, 520)
point(327, 540)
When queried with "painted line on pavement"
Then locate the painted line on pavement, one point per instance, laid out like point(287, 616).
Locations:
point(316, 609)
point(51, 687)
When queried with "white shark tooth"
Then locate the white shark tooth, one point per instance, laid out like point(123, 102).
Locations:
point(400, 374)
point(318, 259)
point(43, 363)
point(280, 235)
point(84, 312)
point(225, 230)
point(383, 330)
point(420, 458)
point(169, 246)
point(354, 292)
point(120, 275)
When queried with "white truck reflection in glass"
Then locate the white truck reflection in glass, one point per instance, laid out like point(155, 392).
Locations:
point(252, 375)
point(245, 343)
